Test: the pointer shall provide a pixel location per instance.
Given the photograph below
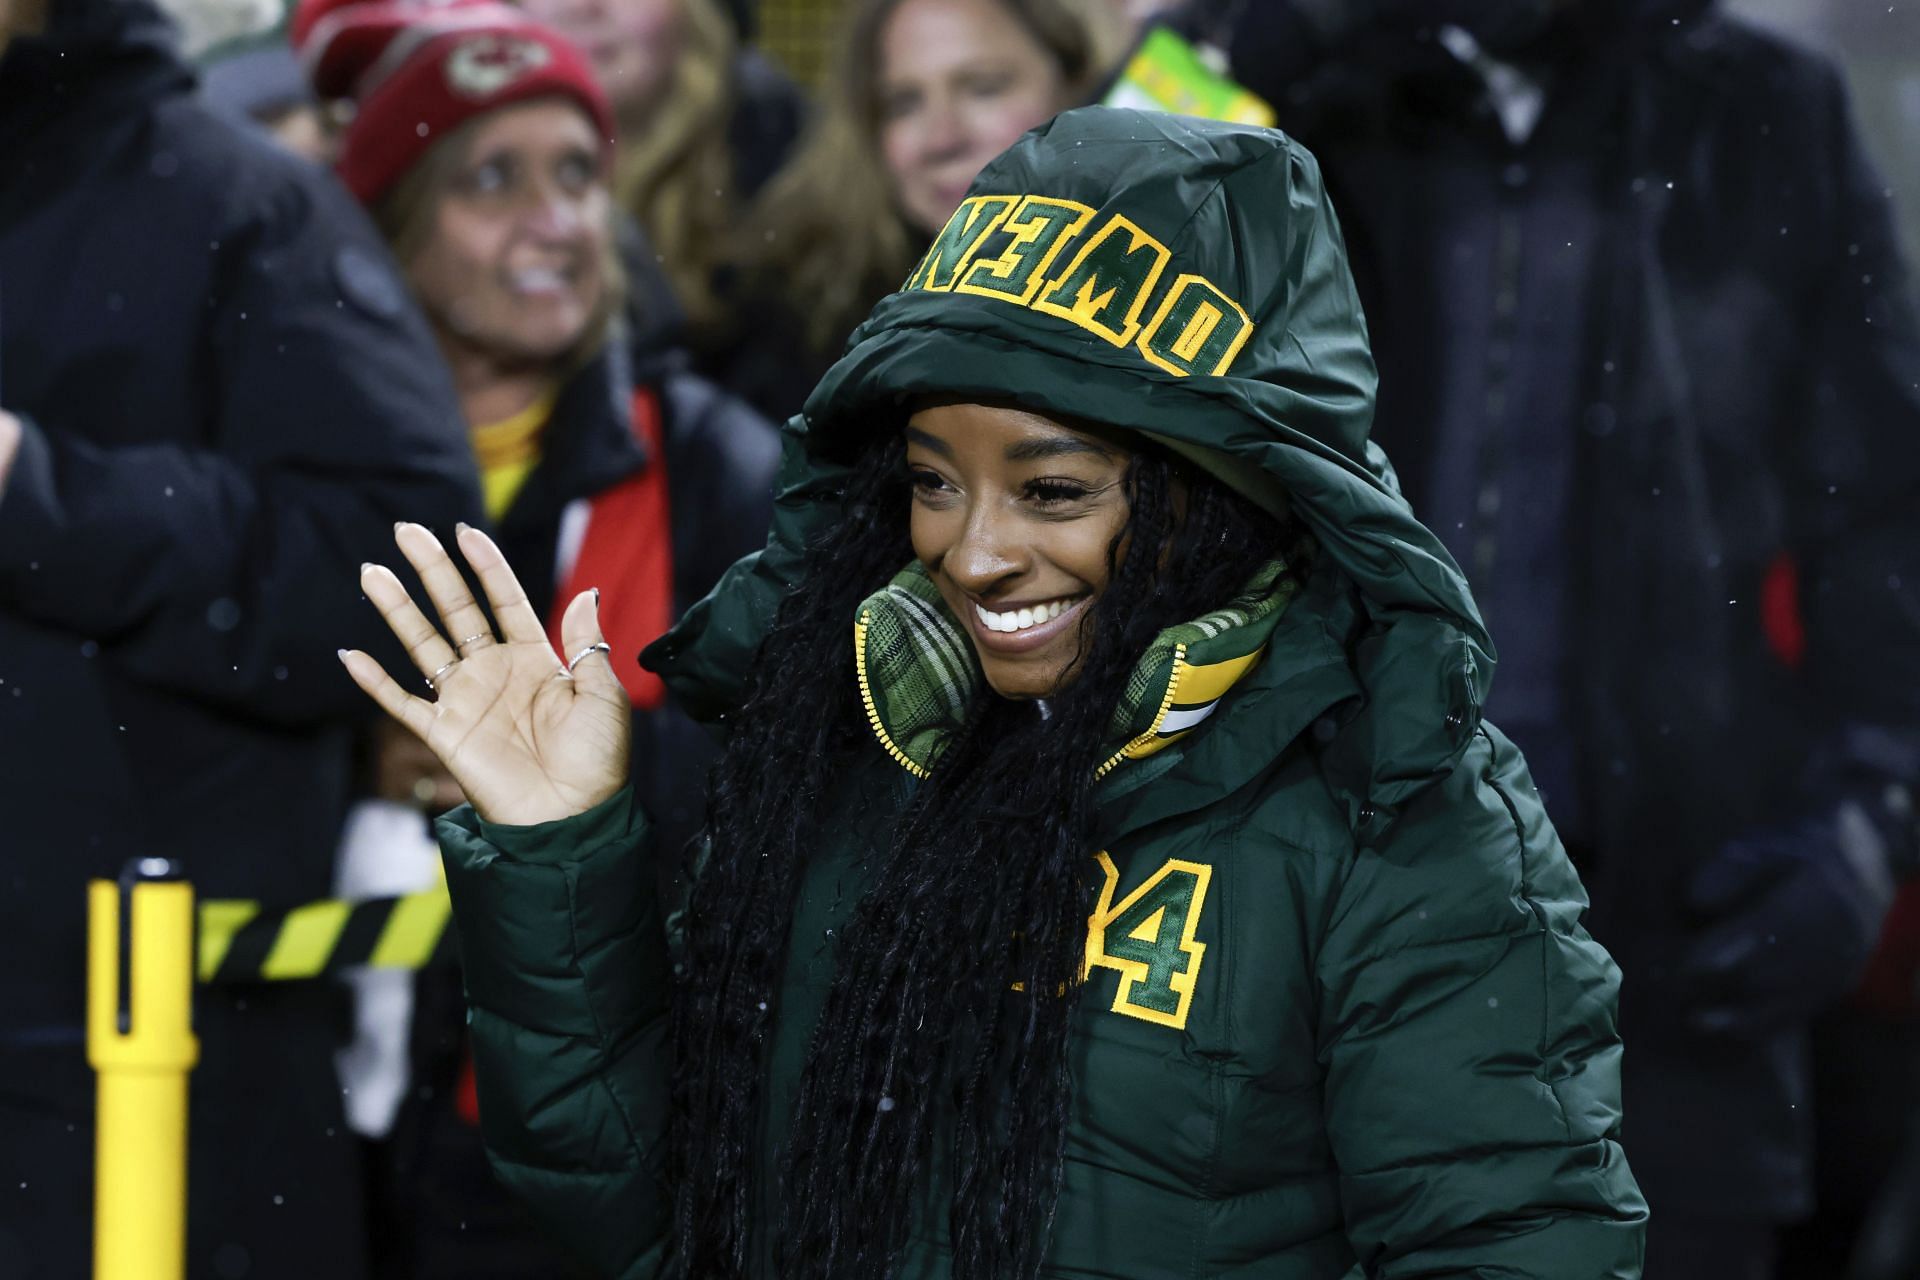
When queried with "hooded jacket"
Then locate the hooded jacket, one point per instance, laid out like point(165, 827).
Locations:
point(1340, 1010)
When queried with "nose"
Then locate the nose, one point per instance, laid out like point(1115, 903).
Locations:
point(943, 133)
point(553, 215)
point(989, 553)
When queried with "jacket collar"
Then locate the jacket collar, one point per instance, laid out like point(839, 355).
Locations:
point(1304, 688)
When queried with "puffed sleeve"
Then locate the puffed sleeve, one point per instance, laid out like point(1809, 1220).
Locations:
point(1468, 1028)
point(567, 977)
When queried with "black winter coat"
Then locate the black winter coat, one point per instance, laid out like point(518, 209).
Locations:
point(229, 400)
point(1745, 395)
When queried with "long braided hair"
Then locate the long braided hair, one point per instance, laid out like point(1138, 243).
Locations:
point(947, 1025)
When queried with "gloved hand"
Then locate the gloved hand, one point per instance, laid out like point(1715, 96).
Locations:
point(1789, 918)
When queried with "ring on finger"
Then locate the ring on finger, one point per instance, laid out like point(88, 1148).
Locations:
point(600, 646)
point(460, 646)
point(433, 681)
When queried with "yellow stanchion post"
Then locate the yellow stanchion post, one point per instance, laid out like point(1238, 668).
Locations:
point(141, 1044)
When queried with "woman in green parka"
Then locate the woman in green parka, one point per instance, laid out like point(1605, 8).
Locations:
point(1108, 873)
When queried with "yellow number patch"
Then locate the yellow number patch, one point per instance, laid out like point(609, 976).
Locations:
point(1148, 939)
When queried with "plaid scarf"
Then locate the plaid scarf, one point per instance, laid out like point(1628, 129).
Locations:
point(919, 676)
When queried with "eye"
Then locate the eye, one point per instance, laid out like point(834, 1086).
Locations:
point(898, 104)
point(927, 485)
point(576, 172)
point(988, 84)
point(1054, 491)
point(489, 177)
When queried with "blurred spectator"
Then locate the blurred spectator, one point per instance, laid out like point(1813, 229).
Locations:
point(926, 92)
point(215, 400)
point(599, 470)
point(256, 78)
point(1650, 363)
point(703, 119)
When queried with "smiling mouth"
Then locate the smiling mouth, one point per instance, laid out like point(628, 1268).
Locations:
point(1014, 621)
point(538, 280)
point(1016, 631)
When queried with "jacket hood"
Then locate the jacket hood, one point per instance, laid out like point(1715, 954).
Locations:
point(1186, 280)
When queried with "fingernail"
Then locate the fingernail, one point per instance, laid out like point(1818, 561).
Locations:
point(340, 654)
point(461, 528)
point(365, 565)
point(398, 525)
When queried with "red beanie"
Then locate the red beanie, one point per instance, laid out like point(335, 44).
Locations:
point(417, 70)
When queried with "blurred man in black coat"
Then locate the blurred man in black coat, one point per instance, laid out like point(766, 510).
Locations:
point(1649, 361)
point(215, 400)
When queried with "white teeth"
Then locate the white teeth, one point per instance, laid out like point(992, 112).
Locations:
point(538, 278)
point(1021, 619)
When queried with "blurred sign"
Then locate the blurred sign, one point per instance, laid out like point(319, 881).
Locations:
point(1167, 73)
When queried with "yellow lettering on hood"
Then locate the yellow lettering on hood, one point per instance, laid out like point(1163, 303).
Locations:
point(1007, 247)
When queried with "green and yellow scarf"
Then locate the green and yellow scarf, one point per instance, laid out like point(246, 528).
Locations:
point(918, 674)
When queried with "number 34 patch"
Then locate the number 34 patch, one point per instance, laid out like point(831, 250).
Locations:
point(1148, 938)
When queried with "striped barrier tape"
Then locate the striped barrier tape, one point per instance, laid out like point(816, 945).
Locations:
point(240, 941)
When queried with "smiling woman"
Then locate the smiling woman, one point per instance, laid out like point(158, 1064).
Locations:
point(924, 93)
point(1108, 872)
point(505, 230)
point(1015, 517)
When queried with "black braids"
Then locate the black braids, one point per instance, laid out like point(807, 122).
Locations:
point(722, 1008)
point(985, 881)
point(998, 1167)
point(854, 1074)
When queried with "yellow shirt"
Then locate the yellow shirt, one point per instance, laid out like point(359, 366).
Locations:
point(508, 451)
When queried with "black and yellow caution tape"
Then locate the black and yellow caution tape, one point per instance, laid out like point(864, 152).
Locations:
point(240, 941)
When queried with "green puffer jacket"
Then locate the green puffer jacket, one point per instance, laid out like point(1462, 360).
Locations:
point(1341, 1016)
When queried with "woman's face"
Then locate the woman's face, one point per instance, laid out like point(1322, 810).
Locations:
point(515, 266)
point(959, 81)
point(634, 46)
point(1013, 514)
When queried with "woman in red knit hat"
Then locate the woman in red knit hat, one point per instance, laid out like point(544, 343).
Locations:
point(482, 145)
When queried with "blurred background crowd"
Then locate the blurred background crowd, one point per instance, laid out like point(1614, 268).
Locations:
point(273, 277)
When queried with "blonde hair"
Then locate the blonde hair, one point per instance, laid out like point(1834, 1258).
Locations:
point(826, 232)
point(408, 213)
point(675, 176)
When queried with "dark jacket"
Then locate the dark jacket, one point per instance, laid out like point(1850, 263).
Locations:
point(1340, 1006)
point(1737, 386)
point(719, 457)
point(229, 401)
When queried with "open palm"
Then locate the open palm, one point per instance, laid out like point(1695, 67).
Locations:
point(528, 739)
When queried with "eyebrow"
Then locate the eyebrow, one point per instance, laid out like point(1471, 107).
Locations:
point(1053, 447)
point(926, 441)
point(1025, 451)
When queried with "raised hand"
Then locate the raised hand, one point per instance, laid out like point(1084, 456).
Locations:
point(528, 740)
